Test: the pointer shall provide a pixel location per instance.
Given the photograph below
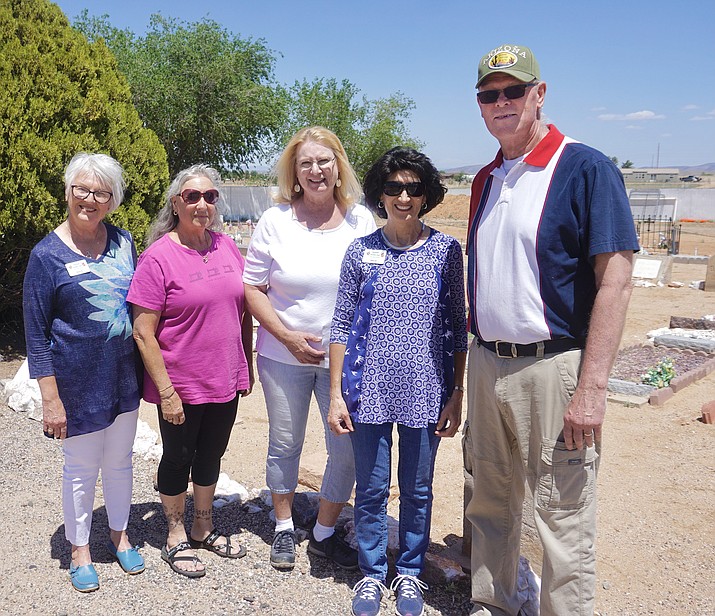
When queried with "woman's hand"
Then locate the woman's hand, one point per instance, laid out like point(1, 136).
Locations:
point(451, 416)
point(338, 417)
point(54, 417)
point(172, 409)
point(298, 343)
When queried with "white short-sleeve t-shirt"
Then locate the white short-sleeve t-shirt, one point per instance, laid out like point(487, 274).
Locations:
point(301, 269)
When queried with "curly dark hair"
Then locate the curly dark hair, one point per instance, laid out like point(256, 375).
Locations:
point(400, 159)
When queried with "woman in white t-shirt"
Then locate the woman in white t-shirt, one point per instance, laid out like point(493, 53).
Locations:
point(291, 281)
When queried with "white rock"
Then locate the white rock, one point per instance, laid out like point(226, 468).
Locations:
point(23, 394)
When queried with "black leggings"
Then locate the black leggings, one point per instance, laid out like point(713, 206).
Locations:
point(195, 446)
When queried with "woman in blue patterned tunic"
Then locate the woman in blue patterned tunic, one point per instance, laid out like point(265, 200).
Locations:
point(399, 334)
point(80, 350)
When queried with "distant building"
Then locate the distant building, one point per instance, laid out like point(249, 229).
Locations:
point(661, 175)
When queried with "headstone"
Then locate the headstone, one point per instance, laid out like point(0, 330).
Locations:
point(710, 275)
point(687, 323)
point(654, 268)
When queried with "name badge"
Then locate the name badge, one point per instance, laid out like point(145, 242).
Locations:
point(373, 255)
point(77, 267)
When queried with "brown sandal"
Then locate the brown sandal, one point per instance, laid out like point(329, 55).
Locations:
point(226, 550)
point(169, 555)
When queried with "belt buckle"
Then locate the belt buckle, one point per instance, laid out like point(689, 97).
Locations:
point(513, 354)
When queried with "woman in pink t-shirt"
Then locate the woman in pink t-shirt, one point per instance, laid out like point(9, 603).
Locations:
point(195, 337)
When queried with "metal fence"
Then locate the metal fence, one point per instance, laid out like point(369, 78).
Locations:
point(658, 235)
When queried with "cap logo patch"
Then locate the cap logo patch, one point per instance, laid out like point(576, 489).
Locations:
point(502, 59)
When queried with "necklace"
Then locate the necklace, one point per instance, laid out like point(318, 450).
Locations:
point(406, 246)
point(89, 251)
point(204, 253)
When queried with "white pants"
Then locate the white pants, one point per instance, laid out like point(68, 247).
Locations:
point(111, 451)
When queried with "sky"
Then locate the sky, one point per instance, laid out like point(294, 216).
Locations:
point(634, 79)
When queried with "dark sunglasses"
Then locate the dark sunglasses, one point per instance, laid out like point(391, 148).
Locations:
point(487, 97)
point(394, 189)
point(191, 196)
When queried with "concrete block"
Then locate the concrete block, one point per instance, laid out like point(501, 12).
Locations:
point(661, 396)
point(680, 342)
point(627, 401)
point(708, 412)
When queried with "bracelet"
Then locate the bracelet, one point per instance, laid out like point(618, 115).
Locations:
point(459, 388)
point(169, 386)
point(162, 396)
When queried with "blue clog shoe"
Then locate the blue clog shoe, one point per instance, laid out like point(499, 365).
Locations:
point(130, 560)
point(84, 578)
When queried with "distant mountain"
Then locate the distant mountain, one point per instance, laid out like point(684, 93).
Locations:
point(468, 169)
point(697, 170)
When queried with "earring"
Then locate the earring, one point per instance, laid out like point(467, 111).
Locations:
point(424, 207)
point(338, 182)
point(296, 188)
point(380, 205)
point(175, 213)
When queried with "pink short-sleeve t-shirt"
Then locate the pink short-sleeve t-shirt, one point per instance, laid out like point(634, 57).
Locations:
point(201, 302)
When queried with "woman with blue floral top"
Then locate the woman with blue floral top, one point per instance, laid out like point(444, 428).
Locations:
point(80, 350)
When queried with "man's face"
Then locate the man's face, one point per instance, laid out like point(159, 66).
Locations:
point(509, 118)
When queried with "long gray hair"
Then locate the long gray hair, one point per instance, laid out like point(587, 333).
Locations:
point(166, 220)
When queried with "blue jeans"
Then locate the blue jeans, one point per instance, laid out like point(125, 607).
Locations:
point(288, 389)
point(417, 447)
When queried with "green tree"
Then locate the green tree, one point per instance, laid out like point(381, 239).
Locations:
point(209, 95)
point(367, 129)
point(61, 95)
point(627, 165)
point(615, 160)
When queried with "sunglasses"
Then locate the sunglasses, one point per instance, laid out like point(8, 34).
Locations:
point(487, 97)
point(191, 196)
point(395, 189)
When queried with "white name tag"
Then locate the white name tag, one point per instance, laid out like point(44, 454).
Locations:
point(77, 267)
point(372, 255)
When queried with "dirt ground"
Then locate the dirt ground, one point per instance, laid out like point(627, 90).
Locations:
point(656, 546)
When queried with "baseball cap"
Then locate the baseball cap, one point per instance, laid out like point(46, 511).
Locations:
point(514, 60)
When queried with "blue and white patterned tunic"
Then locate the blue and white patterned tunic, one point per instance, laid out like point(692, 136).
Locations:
point(401, 320)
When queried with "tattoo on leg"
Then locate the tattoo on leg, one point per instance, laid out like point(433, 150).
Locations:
point(174, 518)
point(202, 514)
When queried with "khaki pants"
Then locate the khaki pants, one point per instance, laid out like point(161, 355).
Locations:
point(515, 413)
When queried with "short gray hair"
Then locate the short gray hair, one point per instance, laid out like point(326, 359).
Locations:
point(107, 171)
point(166, 220)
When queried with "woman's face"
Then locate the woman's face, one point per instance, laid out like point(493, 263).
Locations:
point(194, 211)
point(316, 168)
point(84, 207)
point(402, 207)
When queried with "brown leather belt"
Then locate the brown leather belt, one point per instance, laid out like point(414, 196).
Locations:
point(511, 350)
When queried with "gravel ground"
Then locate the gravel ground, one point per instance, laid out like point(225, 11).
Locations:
point(35, 579)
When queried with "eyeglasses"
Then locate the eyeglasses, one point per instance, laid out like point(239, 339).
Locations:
point(395, 189)
point(323, 163)
point(487, 97)
point(100, 196)
point(191, 196)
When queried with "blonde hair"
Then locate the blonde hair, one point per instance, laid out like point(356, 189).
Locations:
point(349, 190)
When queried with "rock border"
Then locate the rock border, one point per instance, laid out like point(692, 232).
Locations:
point(658, 397)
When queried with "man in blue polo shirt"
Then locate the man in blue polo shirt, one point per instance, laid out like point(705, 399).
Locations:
point(550, 249)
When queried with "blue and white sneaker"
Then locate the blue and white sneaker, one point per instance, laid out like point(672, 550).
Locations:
point(408, 595)
point(368, 594)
